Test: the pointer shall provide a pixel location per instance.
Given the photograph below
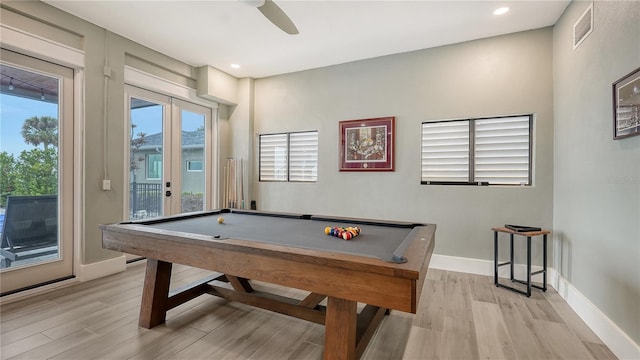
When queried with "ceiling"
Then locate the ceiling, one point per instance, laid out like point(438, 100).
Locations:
point(219, 33)
point(27, 84)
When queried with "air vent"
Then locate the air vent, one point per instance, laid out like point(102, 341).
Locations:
point(583, 27)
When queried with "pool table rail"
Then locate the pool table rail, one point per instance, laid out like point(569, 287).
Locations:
point(358, 278)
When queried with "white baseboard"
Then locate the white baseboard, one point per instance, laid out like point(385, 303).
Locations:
point(102, 268)
point(616, 339)
point(459, 264)
point(485, 267)
point(610, 334)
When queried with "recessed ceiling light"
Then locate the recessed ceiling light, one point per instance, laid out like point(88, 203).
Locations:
point(235, 66)
point(501, 11)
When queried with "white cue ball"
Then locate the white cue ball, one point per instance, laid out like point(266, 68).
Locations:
point(220, 220)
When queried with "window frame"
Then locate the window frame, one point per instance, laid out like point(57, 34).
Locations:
point(189, 162)
point(287, 177)
point(472, 153)
point(149, 163)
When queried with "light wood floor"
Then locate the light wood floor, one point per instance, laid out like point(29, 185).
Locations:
point(461, 316)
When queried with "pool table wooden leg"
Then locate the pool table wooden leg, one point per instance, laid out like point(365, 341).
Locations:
point(155, 294)
point(340, 329)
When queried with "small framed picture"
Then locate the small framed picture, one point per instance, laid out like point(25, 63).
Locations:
point(626, 106)
point(367, 144)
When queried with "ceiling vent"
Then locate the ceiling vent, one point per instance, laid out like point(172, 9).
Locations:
point(583, 27)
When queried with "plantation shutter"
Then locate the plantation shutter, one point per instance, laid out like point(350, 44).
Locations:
point(273, 157)
point(303, 156)
point(445, 151)
point(502, 152)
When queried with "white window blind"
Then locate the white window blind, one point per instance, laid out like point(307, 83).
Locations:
point(502, 150)
point(303, 156)
point(273, 157)
point(488, 151)
point(289, 157)
point(445, 151)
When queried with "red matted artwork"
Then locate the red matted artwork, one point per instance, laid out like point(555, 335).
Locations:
point(367, 144)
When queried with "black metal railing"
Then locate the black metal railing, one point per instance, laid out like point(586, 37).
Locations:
point(145, 200)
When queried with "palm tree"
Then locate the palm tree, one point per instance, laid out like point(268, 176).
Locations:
point(38, 130)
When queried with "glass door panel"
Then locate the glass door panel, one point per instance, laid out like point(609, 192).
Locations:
point(146, 157)
point(192, 161)
point(36, 171)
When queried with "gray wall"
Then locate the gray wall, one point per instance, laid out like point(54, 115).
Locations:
point(596, 178)
point(503, 75)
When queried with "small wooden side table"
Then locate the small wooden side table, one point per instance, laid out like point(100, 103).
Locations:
point(528, 235)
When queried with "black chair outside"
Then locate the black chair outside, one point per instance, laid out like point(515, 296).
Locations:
point(30, 228)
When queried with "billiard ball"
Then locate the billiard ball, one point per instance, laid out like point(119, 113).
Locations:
point(220, 220)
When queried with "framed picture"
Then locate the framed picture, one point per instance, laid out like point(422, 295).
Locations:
point(626, 106)
point(367, 144)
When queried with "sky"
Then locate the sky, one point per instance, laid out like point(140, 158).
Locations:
point(13, 112)
point(147, 120)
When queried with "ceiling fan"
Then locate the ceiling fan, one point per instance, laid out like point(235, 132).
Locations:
point(274, 14)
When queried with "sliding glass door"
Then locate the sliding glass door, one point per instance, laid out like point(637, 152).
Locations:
point(36, 172)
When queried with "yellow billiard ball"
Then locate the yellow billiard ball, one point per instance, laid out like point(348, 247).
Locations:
point(220, 220)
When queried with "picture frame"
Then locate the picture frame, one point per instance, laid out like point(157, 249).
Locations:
point(367, 144)
point(626, 106)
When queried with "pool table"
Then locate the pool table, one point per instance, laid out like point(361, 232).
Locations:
point(383, 267)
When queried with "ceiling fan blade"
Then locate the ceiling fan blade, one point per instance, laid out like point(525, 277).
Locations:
point(274, 14)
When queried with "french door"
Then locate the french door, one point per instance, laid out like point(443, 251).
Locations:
point(36, 172)
point(170, 155)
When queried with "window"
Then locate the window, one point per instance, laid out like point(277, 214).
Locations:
point(289, 157)
point(194, 165)
point(273, 157)
point(488, 151)
point(303, 156)
point(154, 166)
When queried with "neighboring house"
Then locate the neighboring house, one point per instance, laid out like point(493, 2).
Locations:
point(147, 190)
point(149, 161)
